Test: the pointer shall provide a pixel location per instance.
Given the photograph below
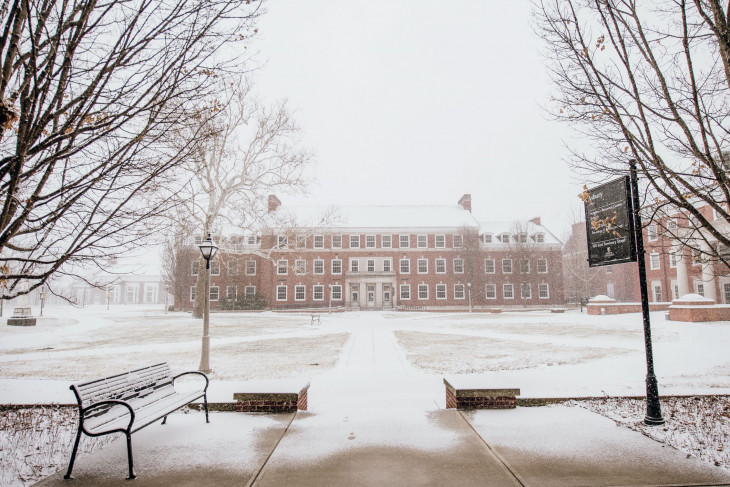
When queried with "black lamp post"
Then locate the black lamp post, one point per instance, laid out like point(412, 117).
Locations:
point(208, 249)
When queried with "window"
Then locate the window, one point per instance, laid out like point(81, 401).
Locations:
point(458, 241)
point(232, 267)
point(231, 292)
point(318, 266)
point(354, 241)
point(250, 267)
point(319, 241)
point(214, 293)
point(525, 291)
point(318, 293)
point(192, 293)
point(672, 225)
point(543, 291)
point(404, 241)
point(521, 237)
point(405, 266)
point(386, 241)
point(440, 291)
point(423, 266)
point(700, 288)
point(405, 291)
point(542, 266)
point(524, 266)
point(336, 292)
point(282, 241)
point(504, 238)
point(301, 241)
point(726, 292)
point(540, 238)
point(354, 265)
point(654, 261)
point(675, 291)
point(440, 241)
point(336, 266)
point(423, 291)
point(672, 259)
point(387, 265)
point(458, 291)
point(490, 291)
point(249, 290)
point(508, 291)
point(371, 265)
point(657, 292)
point(458, 266)
point(609, 269)
point(215, 268)
point(422, 241)
point(150, 292)
point(282, 267)
point(336, 241)
point(370, 241)
point(440, 266)
point(651, 234)
point(300, 267)
point(506, 266)
point(195, 268)
point(486, 238)
point(198, 240)
point(489, 266)
point(299, 292)
point(281, 293)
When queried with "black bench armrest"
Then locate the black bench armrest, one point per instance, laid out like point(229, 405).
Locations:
point(118, 402)
point(205, 376)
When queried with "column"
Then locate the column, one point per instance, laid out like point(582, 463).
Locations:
point(682, 281)
point(708, 275)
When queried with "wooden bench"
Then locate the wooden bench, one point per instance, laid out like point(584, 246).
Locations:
point(126, 403)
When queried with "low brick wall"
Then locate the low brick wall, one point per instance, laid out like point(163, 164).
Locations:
point(620, 308)
point(480, 398)
point(700, 313)
point(271, 402)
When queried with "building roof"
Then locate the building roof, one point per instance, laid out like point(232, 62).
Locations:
point(373, 217)
point(500, 227)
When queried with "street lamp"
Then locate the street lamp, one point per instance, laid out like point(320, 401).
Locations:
point(43, 298)
point(208, 249)
point(468, 285)
point(167, 295)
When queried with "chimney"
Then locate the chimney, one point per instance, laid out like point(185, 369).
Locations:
point(465, 202)
point(536, 221)
point(274, 203)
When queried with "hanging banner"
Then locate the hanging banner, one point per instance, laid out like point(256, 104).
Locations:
point(609, 223)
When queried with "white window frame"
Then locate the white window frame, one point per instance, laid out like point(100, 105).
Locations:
point(318, 263)
point(459, 291)
point(282, 241)
point(388, 265)
point(422, 287)
point(300, 288)
point(441, 291)
point(282, 267)
point(422, 266)
point(235, 292)
point(457, 241)
point(338, 263)
point(487, 263)
point(336, 241)
point(440, 266)
point(508, 263)
point(651, 233)
point(336, 292)
point(525, 286)
point(301, 241)
point(654, 261)
point(422, 241)
point(673, 259)
point(195, 268)
point(354, 239)
point(251, 293)
point(214, 296)
point(192, 293)
point(544, 266)
point(458, 266)
point(215, 268)
point(318, 241)
point(386, 241)
point(511, 288)
point(318, 289)
point(300, 267)
point(546, 288)
point(250, 264)
point(232, 267)
point(371, 265)
point(407, 263)
point(440, 241)
point(526, 269)
point(278, 292)
point(404, 239)
point(354, 265)
point(493, 288)
point(404, 296)
point(370, 239)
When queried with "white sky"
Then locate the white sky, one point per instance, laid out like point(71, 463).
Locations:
point(419, 102)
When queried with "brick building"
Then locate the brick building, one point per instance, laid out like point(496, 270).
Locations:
point(673, 268)
point(383, 257)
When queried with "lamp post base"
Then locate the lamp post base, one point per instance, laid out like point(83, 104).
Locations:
point(204, 362)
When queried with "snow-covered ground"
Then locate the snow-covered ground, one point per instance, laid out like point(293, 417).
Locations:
point(407, 354)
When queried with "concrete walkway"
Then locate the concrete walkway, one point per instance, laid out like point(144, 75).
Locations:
point(374, 420)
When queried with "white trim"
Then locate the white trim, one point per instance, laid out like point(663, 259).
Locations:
point(297, 288)
point(286, 292)
point(486, 291)
point(423, 284)
point(445, 291)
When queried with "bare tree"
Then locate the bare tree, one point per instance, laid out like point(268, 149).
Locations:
point(650, 82)
point(248, 151)
point(88, 93)
point(178, 256)
point(580, 279)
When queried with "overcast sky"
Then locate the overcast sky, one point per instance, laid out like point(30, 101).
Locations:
point(419, 102)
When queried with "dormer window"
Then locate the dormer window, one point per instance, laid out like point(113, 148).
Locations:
point(487, 238)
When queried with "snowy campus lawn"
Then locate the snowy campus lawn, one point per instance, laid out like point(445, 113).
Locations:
point(544, 354)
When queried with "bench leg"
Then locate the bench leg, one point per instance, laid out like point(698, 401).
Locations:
point(73, 456)
point(164, 421)
point(205, 403)
point(129, 457)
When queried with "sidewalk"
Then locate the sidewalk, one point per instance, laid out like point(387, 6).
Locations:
point(375, 420)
